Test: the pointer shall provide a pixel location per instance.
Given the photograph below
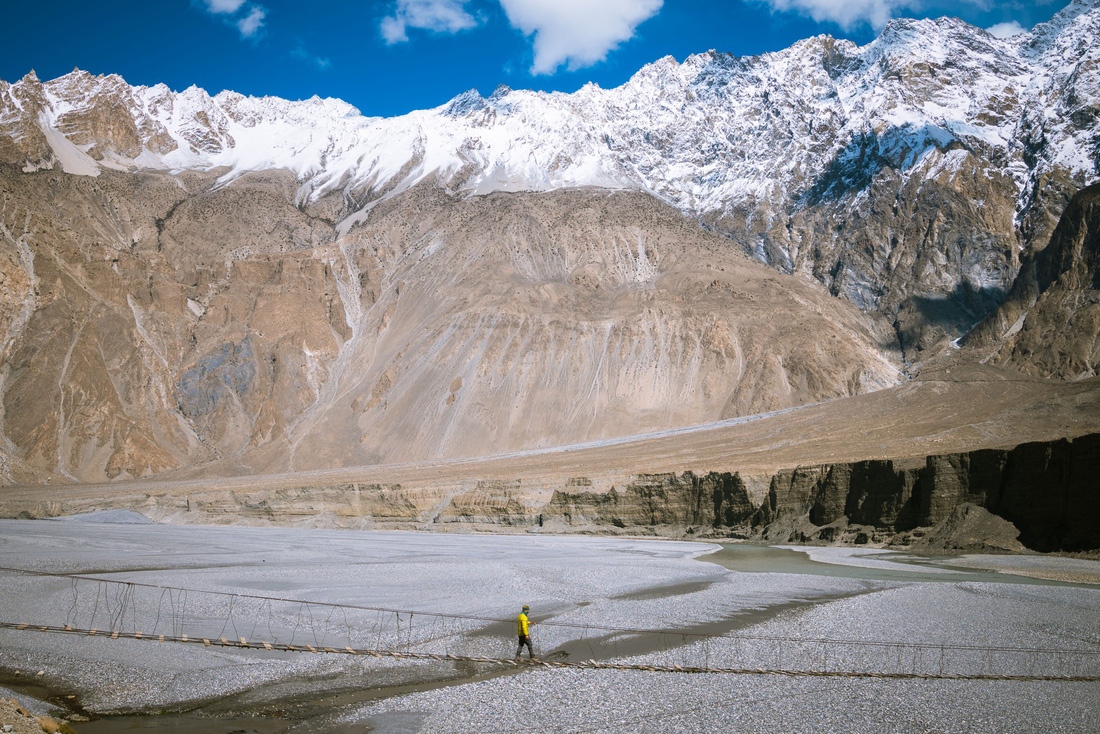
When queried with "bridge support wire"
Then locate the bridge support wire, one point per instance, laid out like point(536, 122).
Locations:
point(88, 605)
point(243, 643)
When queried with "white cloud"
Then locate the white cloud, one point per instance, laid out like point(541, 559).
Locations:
point(438, 16)
point(223, 6)
point(845, 13)
point(393, 30)
point(576, 33)
point(849, 14)
point(1006, 30)
point(251, 23)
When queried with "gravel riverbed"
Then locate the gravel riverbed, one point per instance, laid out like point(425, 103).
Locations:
point(629, 601)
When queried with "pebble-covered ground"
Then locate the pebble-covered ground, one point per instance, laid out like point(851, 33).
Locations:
point(579, 588)
point(584, 701)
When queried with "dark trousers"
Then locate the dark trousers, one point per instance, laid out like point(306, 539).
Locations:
point(525, 640)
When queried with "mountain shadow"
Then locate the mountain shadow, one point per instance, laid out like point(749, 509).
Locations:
point(855, 167)
point(922, 317)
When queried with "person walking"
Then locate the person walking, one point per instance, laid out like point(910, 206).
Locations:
point(524, 634)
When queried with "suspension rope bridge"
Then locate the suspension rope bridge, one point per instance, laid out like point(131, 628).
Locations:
point(586, 665)
point(116, 609)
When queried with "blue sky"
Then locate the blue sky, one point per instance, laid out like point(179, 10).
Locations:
point(388, 57)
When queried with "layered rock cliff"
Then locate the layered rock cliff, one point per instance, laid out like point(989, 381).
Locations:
point(1049, 492)
point(1042, 496)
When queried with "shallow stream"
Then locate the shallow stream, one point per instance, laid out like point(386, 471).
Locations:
point(864, 564)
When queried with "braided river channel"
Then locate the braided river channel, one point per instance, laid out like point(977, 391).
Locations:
point(114, 624)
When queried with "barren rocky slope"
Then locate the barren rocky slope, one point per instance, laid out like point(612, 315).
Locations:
point(1050, 323)
point(222, 286)
point(907, 175)
point(516, 321)
point(154, 323)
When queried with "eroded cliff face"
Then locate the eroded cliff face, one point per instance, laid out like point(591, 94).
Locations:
point(136, 343)
point(712, 500)
point(1050, 323)
point(1043, 496)
point(1049, 490)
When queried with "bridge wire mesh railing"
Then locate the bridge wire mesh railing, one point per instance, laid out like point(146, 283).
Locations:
point(84, 604)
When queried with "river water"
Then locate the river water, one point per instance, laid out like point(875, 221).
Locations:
point(874, 565)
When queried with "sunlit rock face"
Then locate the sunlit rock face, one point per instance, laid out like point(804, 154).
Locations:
point(240, 284)
point(157, 323)
point(135, 342)
point(1050, 323)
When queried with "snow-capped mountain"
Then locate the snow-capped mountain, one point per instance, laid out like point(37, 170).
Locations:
point(713, 132)
point(748, 145)
point(254, 283)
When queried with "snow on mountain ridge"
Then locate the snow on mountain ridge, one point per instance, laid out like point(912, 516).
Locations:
point(747, 145)
point(634, 135)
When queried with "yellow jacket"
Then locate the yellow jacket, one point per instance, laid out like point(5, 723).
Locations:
point(521, 624)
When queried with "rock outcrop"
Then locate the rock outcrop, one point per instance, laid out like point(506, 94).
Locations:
point(1050, 323)
point(713, 500)
point(1042, 495)
point(1049, 490)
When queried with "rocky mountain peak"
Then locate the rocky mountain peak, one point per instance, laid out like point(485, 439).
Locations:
point(1074, 250)
point(1050, 323)
point(466, 103)
point(910, 170)
point(551, 240)
point(1073, 26)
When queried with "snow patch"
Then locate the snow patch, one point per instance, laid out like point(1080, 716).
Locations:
point(1015, 328)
